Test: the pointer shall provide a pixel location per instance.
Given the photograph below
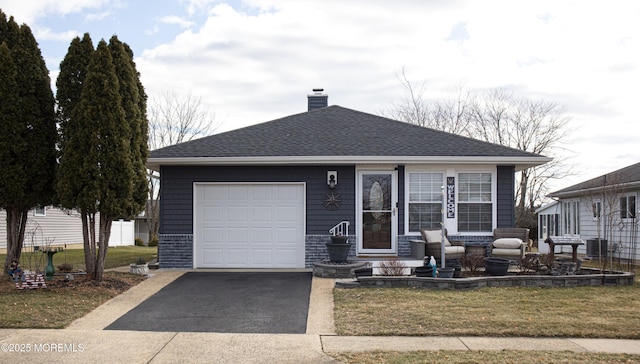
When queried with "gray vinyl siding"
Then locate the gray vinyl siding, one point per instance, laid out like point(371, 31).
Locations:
point(176, 209)
point(506, 197)
point(57, 227)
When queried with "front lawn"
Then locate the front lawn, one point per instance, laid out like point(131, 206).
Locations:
point(116, 257)
point(63, 302)
point(587, 312)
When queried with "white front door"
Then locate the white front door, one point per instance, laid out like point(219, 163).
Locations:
point(377, 212)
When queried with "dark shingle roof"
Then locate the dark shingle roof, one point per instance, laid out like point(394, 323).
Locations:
point(336, 131)
point(625, 176)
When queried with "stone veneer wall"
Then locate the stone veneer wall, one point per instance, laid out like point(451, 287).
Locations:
point(316, 251)
point(580, 280)
point(175, 250)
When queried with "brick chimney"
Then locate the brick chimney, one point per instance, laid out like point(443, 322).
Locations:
point(317, 100)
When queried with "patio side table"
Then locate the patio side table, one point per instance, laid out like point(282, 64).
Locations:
point(477, 248)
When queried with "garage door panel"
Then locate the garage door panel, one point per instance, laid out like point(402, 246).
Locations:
point(249, 225)
point(286, 214)
point(262, 235)
point(212, 235)
point(237, 235)
point(212, 213)
point(237, 213)
point(287, 236)
point(212, 256)
point(261, 214)
point(236, 193)
point(211, 194)
point(283, 256)
point(261, 257)
point(236, 257)
point(261, 193)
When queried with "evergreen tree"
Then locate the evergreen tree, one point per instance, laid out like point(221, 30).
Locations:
point(134, 105)
point(28, 132)
point(75, 144)
point(104, 140)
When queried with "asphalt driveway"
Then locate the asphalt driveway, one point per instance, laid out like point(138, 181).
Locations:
point(226, 302)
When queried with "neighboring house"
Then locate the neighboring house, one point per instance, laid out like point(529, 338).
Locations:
point(53, 226)
point(267, 195)
point(603, 207)
point(142, 220)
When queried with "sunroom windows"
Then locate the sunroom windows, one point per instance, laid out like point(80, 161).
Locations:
point(475, 206)
point(470, 201)
point(425, 200)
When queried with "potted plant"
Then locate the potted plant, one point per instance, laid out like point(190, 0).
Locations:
point(445, 272)
point(139, 267)
point(338, 248)
point(496, 266)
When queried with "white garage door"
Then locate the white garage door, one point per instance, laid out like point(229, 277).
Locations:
point(249, 226)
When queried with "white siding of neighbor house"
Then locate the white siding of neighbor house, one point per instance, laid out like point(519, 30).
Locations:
point(59, 227)
point(623, 233)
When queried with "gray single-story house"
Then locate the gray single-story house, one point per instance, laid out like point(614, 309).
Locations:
point(266, 196)
point(603, 207)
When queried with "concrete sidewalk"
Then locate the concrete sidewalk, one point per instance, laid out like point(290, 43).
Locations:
point(85, 341)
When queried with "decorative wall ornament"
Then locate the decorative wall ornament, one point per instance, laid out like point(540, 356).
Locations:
point(332, 201)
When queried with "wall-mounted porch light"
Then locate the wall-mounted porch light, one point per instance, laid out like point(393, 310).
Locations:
point(332, 178)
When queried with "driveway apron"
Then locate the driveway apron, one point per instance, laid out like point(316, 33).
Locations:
point(225, 302)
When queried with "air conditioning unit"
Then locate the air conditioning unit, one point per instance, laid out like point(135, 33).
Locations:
point(592, 248)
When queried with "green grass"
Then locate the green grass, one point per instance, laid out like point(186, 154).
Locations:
point(61, 303)
point(116, 257)
point(589, 312)
point(484, 357)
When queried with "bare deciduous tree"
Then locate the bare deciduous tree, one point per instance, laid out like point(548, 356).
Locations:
point(173, 119)
point(450, 115)
point(497, 116)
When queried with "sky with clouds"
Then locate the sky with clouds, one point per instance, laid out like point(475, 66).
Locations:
point(256, 60)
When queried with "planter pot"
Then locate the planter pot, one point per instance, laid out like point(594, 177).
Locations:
point(446, 272)
point(142, 269)
point(363, 272)
point(496, 266)
point(338, 252)
point(426, 271)
point(339, 239)
point(457, 271)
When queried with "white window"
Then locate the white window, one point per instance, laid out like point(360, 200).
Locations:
point(571, 217)
point(548, 225)
point(628, 207)
point(597, 210)
point(475, 206)
point(40, 211)
point(425, 201)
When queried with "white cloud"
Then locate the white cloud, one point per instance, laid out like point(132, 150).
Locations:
point(29, 11)
point(45, 34)
point(176, 20)
point(254, 60)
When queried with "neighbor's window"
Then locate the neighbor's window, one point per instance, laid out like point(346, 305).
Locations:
point(548, 225)
point(597, 210)
point(571, 217)
point(40, 211)
point(475, 207)
point(628, 207)
point(425, 201)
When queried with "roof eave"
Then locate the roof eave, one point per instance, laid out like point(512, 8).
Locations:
point(592, 190)
point(520, 163)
